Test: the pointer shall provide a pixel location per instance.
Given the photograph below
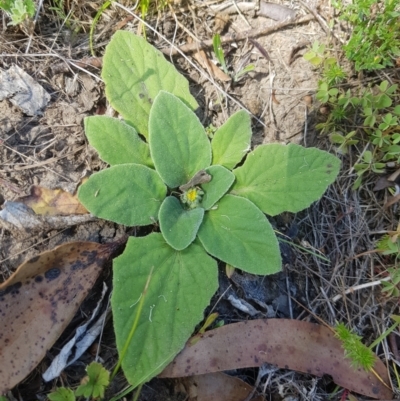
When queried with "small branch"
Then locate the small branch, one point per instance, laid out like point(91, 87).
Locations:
point(360, 287)
point(313, 11)
point(251, 33)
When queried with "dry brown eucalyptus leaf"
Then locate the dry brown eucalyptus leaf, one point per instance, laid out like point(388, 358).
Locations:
point(289, 344)
point(19, 218)
point(213, 70)
point(52, 202)
point(217, 387)
point(39, 300)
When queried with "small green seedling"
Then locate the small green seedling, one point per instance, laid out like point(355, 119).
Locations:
point(316, 54)
point(219, 54)
point(62, 394)
point(344, 141)
point(209, 197)
point(95, 382)
point(18, 10)
point(92, 386)
point(367, 164)
point(391, 288)
point(359, 354)
point(331, 71)
point(326, 94)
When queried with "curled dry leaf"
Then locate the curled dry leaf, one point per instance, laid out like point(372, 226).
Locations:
point(52, 202)
point(213, 70)
point(23, 91)
point(392, 200)
point(17, 217)
point(289, 344)
point(275, 11)
point(382, 183)
point(39, 300)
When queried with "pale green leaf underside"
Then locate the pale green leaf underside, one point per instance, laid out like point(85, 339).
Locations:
point(134, 72)
point(180, 288)
point(178, 143)
point(279, 178)
point(214, 190)
point(232, 140)
point(129, 194)
point(238, 233)
point(179, 226)
point(116, 142)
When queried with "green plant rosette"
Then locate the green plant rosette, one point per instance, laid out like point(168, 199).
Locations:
point(164, 281)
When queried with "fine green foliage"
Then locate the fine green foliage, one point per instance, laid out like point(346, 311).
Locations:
point(18, 10)
point(320, 56)
point(375, 38)
point(379, 127)
point(373, 110)
point(391, 288)
point(62, 394)
point(390, 244)
point(359, 354)
point(95, 383)
point(164, 281)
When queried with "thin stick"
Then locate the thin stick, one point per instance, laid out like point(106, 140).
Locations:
point(251, 33)
point(359, 287)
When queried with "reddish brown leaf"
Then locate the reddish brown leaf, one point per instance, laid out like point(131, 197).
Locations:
point(383, 183)
point(214, 70)
point(52, 202)
point(217, 387)
point(289, 344)
point(392, 200)
point(39, 300)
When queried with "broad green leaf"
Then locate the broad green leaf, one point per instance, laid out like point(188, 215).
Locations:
point(181, 284)
point(179, 226)
point(116, 142)
point(134, 72)
point(221, 181)
point(238, 233)
point(232, 140)
point(279, 178)
point(179, 145)
point(129, 194)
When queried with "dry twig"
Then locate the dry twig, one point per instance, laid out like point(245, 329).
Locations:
point(251, 33)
